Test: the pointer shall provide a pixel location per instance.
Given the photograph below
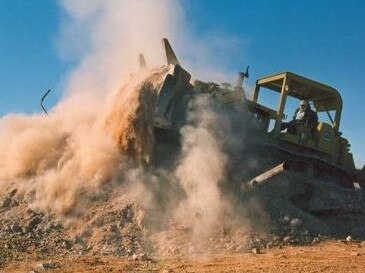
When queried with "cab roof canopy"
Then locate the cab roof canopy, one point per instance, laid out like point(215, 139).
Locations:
point(325, 98)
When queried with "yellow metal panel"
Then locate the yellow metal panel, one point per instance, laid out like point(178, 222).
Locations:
point(281, 107)
point(327, 139)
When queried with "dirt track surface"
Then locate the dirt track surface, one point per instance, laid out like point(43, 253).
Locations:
point(324, 257)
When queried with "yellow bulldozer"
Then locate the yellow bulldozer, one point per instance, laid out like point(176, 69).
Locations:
point(320, 149)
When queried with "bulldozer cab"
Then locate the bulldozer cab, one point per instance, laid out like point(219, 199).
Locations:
point(323, 137)
point(324, 99)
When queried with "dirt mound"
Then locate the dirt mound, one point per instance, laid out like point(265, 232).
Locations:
point(118, 224)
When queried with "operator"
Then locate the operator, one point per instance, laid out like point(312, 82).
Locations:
point(303, 115)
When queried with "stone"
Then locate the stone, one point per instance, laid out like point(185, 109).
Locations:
point(49, 265)
point(66, 244)
point(256, 250)
point(144, 257)
point(295, 223)
point(286, 219)
point(349, 238)
point(33, 223)
point(16, 228)
point(30, 211)
point(50, 227)
point(6, 203)
point(13, 192)
point(270, 245)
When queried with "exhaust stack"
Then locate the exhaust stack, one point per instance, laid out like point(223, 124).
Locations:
point(240, 79)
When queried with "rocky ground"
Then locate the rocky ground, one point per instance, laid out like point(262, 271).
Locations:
point(290, 223)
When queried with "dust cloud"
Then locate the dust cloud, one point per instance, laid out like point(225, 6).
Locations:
point(201, 169)
point(100, 134)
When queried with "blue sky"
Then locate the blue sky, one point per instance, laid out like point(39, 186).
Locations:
point(322, 40)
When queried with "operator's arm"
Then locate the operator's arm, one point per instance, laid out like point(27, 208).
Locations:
point(295, 113)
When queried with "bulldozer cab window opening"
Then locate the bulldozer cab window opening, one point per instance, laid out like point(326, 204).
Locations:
point(327, 117)
point(269, 98)
point(291, 106)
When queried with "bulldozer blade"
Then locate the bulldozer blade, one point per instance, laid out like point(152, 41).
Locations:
point(169, 53)
point(176, 83)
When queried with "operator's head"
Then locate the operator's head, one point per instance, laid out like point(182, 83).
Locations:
point(303, 104)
